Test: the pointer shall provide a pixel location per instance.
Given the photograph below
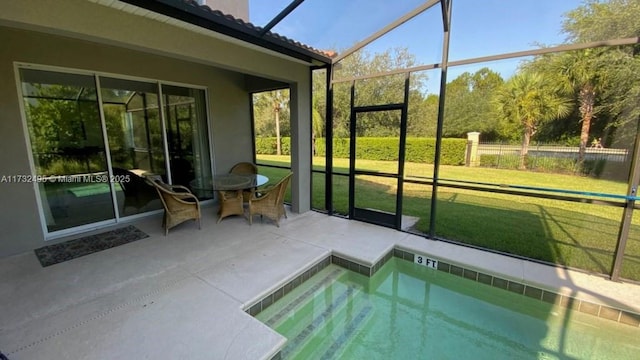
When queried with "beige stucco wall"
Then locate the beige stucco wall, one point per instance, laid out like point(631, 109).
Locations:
point(87, 20)
point(237, 8)
point(228, 112)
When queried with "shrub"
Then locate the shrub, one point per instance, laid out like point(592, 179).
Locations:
point(533, 163)
point(267, 145)
point(500, 161)
point(420, 150)
point(64, 167)
point(552, 164)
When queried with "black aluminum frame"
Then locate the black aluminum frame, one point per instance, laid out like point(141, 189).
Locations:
point(367, 215)
point(634, 176)
point(195, 15)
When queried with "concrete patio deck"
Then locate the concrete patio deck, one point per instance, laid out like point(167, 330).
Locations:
point(182, 296)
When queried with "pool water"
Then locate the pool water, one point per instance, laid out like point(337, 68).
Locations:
point(407, 311)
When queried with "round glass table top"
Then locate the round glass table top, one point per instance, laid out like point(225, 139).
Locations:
point(230, 182)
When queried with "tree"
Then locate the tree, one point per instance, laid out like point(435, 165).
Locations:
point(598, 20)
point(270, 109)
point(466, 106)
point(317, 128)
point(578, 74)
point(318, 107)
point(620, 97)
point(63, 122)
point(615, 71)
point(278, 101)
point(423, 114)
point(375, 91)
point(528, 100)
point(600, 79)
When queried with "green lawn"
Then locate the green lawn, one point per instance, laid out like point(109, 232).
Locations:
point(579, 235)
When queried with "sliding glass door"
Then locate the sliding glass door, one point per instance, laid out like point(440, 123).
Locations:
point(68, 147)
point(94, 138)
point(134, 129)
point(187, 143)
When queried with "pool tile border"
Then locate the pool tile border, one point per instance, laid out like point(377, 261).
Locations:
point(275, 295)
point(359, 268)
point(602, 311)
point(278, 293)
point(587, 307)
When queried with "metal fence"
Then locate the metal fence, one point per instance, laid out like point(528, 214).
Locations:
point(548, 157)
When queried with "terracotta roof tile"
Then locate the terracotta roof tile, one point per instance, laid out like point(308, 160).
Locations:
point(257, 29)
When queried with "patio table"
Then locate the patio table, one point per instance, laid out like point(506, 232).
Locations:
point(229, 182)
point(230, 188)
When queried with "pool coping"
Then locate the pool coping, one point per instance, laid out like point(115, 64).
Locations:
point(602, 311)
point(606, 312)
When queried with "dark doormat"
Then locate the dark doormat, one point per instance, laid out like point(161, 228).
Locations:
point(57, 253)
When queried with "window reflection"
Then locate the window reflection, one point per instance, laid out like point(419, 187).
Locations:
point(68, 148)
point(70, 152)
point(187, 140)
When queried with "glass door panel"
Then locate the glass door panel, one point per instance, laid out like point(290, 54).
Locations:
point(65, 132)
point(134, 131)
point(187, 136)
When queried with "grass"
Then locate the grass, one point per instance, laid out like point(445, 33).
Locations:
point(579, 235)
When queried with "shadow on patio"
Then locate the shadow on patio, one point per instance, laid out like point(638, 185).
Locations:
point(183, 295)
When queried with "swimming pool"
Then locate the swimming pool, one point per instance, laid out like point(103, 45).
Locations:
point(407, 311)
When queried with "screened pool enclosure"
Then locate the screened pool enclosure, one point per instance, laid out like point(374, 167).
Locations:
point(418, 93)
point(510, 126)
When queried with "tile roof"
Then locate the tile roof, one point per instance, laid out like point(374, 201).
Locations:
point(257, 29)
point(215, 20)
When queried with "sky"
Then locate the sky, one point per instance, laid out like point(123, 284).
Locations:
point(479, 27)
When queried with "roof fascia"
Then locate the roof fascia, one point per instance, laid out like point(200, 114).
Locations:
point(194, 15)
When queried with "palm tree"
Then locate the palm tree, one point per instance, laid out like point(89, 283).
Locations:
point(577, 74)
point(318, 102)
point(278, 101)
point(270, 105)
point(317, 127)
point(529, 100)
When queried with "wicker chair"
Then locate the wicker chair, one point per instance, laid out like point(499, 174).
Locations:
point(231, 203)
point(245, 168)
point(270, 201)
point(179, 204)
